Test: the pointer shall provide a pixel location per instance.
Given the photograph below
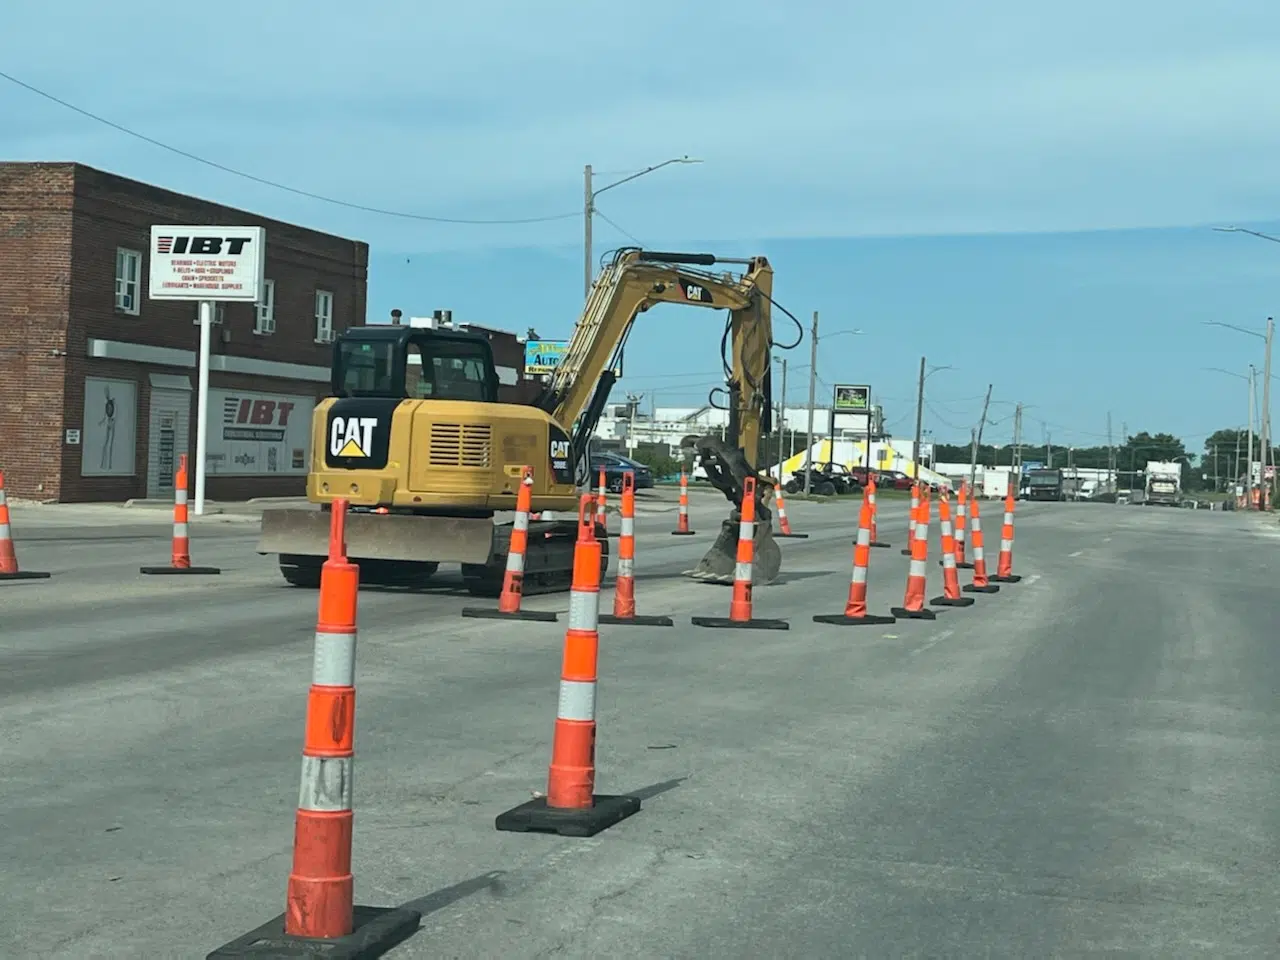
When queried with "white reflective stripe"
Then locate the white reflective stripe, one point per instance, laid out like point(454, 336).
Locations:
point(335, 660)
point(960, 510)
point(978, 555)
point(1008, 516)
point(326, 783)
point(859, 574)
point(948, 561)
point(521, 522)
point(626, 566)
point(2, 499)
point(742, 571)
point(584, 610)
point(918, 568)
point(977, 524)
point(782, 511)
point(959, 534)
point(179, 530)
point(946, 529)
point(864, 537)
point(180, 496)
point(746, 530)
point(515, 561)
point(628, 526)
point(684, 509)
point(922, 532)
point(4, 532)
point(871, 499)
point(1005, 545)
point(577, 700)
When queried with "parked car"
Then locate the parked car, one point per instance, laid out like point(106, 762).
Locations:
point(614, 466)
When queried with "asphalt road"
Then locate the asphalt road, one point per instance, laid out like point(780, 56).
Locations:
point(1081, 764)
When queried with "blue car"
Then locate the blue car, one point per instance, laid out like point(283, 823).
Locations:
point(614, 466)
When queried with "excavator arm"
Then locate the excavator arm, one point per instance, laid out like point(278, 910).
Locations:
point(632, 283)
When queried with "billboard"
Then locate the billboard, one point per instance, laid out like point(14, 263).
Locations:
point(851, 398)
point(207, 263)
point(258, 433)
point(543, 356)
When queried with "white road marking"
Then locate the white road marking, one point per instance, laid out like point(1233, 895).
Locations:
point(1032, 579)
point(1106, 539)
point(929, 643)
point(1076, 554)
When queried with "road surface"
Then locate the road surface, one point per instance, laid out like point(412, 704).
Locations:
point(1084, 763)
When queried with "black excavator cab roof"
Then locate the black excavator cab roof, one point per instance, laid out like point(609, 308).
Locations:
point(374, 361)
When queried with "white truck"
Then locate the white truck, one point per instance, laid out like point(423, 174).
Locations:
point(1163, 483)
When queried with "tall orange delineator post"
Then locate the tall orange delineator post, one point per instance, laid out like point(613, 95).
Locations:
point(743, 574)
point(682, 522)
point(962, 514)
point(624, 586)
point(320, 918)
point(9, 569)
point(913, 607)
point(1004, 563)
point(571, 807)
point(855, 608)
point(602, 501)
point(981, 583)
point(180, 561)
point(950, 581)
point(875, 512)
point(513, 577)
point(908, 550)
point(784, 525)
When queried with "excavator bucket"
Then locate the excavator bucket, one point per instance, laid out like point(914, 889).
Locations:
point(727, 469)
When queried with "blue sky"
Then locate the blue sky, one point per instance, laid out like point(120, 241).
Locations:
point(1021, 191)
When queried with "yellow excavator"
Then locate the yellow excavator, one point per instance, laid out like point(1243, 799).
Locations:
point(427, 458)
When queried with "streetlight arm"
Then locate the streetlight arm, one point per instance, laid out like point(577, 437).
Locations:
point(644, 172)
point(1252, 233)
point(1232, 326)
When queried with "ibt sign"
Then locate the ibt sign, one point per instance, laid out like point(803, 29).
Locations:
point(207, 263)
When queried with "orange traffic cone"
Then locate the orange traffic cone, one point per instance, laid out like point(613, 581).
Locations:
point(682, 522)
point(913, 607)
point(624, 587)
point(907, 551)
point(784, 525)
point(1004, 563)
point(513, 577)
point(571, 808)
point(962, 516)
point(981, 583)
point(855, 609)
point(740, 606)
point(8, 556)
point(180, 559)
point(950, 581)
point(875, 512)
point(320, 918)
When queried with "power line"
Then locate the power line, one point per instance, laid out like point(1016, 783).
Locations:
point(272, 183)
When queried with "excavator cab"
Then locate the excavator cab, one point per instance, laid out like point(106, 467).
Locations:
point(413, 363)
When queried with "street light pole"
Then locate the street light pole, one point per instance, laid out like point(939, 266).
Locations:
point(813, 385)
point(1248, 470)
point(915, 447)
point(782, 419)
point(1267, 454)
point(589, 195)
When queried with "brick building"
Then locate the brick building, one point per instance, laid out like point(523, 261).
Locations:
point(97, 381)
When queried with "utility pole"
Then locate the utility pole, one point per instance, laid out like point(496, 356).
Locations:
point(977, 442)
point(813, 385)
point(782, 420)
point(1015, 461)
point(1215, 468)
point(1112, 479)
point(915, 448)
point(1048, 447)
point(1268, 455)
point(588, 214)
point(1235, 470)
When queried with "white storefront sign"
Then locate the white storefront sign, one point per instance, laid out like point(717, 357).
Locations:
point(207, 263)
point(251, 434)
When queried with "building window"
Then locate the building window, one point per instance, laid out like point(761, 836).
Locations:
point(266, 322)
point(128, 280)
point(324, 316)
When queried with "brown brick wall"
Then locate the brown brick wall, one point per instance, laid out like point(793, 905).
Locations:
point(60, 225)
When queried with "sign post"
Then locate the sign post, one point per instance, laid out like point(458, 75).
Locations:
point(209, 265)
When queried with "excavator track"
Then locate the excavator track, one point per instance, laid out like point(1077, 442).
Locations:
point(548, 559)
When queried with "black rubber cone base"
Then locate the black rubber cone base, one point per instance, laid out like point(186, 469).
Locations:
point(752, 624)
point(492, 613)
point(791, 536)
point(989, 588)
point(905, 551)
point(1012, 578)
point(963, 565)
point(159, 571)
point(536, 817)
point(376, 931)
point(25, 575)
point(840, 620)
point(905, 614)
point(637, 621)
point(878, 543)
point(682, 533)
point(957, 602)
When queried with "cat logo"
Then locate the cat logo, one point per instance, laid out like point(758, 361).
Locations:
point(695, 293)
point(351, 436)
point(559, 449)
